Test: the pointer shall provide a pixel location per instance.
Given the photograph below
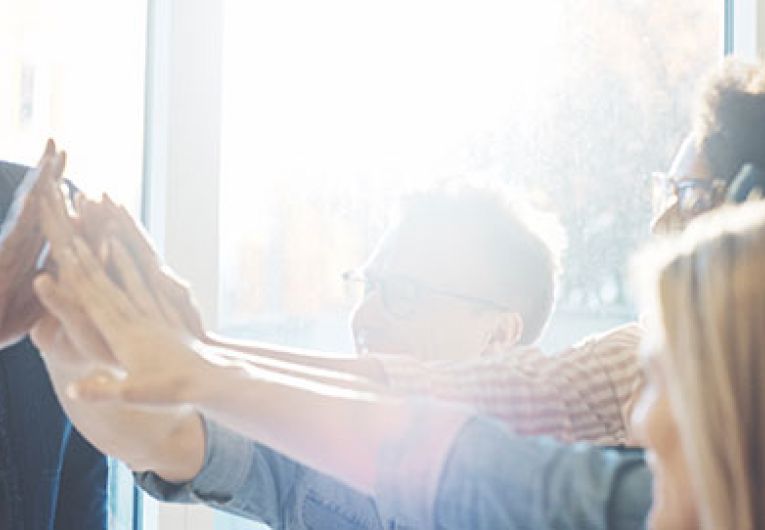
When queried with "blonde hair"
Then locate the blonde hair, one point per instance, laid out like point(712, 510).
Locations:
point(710, 300)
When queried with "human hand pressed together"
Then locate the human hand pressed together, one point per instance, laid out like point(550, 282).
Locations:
point(113, 309)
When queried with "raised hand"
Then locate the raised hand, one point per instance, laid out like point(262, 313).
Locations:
point(145, 336)
point(21, 245)
point(173, 294)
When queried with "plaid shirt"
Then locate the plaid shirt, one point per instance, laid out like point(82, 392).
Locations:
point(577, 395)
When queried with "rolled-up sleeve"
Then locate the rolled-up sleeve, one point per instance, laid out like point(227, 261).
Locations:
point(239, 476)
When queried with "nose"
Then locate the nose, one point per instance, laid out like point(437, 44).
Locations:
point(367, 316)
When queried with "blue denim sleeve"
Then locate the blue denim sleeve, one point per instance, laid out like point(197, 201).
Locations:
point(248, 479)
point(236, 478)
point(493, 479)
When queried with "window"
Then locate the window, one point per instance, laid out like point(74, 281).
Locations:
point(332, 109)
point(74, 71)
point(329, 110)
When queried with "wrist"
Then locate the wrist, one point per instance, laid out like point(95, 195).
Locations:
point(180, 455)
point(207, 377)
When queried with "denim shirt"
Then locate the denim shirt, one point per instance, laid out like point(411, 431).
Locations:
point(248, 479)
point(525, 484)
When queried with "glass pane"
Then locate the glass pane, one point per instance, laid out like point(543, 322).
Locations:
point(74, 71)
point(332, 109)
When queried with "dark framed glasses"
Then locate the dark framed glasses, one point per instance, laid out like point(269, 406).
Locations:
point(402, 296)
point(691, 196)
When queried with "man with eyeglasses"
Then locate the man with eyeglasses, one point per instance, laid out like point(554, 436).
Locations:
point(455, 295)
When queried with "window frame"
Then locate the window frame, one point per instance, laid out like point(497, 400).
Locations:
point(181, 168)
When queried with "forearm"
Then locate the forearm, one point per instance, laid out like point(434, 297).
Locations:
point(336, 430)
point(301, 362)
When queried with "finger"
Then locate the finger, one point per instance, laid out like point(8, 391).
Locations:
point(138, 243)
point(53, 189)
point(173, 318)
point(56, 230)
point(135, 237)
point(175, 293)
point(77, 202)
point(132, 281)
point(94, 223)
point(106, 305)
point(88, 284)
point(50, 149)
point(91, 276)
point(50, 337)
point(47, 335)
point(86, 342)
point(51, 170)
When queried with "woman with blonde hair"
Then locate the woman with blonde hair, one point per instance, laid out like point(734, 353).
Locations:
point(700, 415)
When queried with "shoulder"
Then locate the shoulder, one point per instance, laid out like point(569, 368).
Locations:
point(624, 340)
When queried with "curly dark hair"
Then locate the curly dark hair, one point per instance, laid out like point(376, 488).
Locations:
point(730, 126)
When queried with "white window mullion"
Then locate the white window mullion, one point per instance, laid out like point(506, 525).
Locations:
point(749, 28)
point(181, 169)
point(183, 140)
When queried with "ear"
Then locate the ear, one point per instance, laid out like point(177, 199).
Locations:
point(507, 332)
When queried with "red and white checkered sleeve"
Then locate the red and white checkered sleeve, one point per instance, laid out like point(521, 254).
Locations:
point(577, 395)
point(514, 387)
point(601, 372)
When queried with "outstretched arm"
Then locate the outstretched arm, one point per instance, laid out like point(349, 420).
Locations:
point(333, 423)
point(423, 463)
point(426, 465)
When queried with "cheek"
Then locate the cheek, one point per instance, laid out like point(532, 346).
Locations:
point(456, 333)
